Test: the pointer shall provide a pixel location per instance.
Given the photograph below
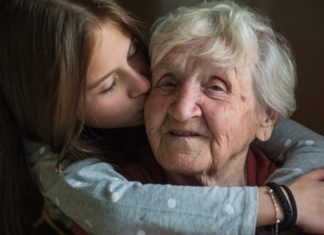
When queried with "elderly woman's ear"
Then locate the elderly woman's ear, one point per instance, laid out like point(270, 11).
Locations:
point(267, 122)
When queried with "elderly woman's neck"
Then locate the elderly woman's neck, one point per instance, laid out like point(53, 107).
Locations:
point(231, 173)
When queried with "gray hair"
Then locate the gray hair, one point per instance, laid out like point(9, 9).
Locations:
point(230, 32)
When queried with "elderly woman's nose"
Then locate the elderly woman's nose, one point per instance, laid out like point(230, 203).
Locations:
point(186, 104)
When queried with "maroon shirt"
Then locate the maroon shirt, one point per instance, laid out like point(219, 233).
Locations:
point(147, 170)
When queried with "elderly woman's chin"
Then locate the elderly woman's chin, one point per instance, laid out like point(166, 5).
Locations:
point(188, 156)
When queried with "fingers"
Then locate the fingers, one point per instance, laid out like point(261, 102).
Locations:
point(308, 191)
point(317, 174)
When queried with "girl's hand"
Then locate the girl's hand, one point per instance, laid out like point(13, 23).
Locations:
point(308, 191)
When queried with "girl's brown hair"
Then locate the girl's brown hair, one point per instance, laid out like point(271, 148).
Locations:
point(45, 50)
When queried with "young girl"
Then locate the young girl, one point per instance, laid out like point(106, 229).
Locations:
point(73, 81)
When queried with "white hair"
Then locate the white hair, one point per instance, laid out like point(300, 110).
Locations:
point(229, 32)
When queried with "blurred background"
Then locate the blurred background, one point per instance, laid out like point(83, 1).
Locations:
point(300, 21)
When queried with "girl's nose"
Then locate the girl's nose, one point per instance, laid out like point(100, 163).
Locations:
point(140, 85)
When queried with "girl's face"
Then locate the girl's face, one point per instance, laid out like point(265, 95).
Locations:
point(117, 81)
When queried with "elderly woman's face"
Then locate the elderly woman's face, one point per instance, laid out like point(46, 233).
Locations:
point(199, 117)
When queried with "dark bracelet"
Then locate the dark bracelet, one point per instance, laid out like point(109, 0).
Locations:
point(292, 204)
point(288, 222)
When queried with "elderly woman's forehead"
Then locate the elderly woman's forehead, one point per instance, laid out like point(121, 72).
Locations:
point(182, 53)
point(199, 54)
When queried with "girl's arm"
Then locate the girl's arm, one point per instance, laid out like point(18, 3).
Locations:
point(298, 148)
point(104, 202)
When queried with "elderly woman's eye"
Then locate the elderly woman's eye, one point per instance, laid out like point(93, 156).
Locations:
point(217, 88)
point(217, 85)
point(166, 85)
point(165, 81)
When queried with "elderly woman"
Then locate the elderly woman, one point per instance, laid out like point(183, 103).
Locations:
point(221, 79)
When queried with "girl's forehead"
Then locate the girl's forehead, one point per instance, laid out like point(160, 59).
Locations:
point(109, 53)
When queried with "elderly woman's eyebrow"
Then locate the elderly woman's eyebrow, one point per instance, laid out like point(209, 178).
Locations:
point(213, 66)
point(165, 64)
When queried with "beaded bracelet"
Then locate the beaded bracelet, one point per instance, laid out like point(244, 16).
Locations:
point(277, 221)
point(288, 222)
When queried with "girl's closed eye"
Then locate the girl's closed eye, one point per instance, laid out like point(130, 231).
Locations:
point(109, 86)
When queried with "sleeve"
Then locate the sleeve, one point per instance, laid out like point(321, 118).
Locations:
point(299, 149)
point(103, 202)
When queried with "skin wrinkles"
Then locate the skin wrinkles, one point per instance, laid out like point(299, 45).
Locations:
point(205, 120)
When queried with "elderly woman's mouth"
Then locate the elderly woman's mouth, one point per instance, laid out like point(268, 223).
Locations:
point(180, 133)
